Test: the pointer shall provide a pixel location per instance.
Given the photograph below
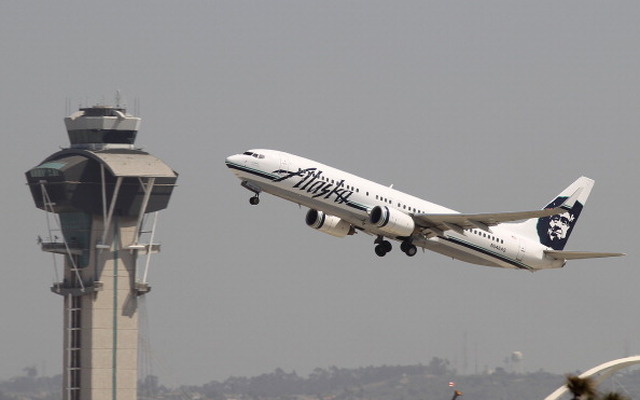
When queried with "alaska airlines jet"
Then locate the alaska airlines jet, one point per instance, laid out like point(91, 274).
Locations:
point(342, 204)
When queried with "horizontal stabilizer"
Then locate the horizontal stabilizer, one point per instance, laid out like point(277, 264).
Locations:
point(579, 255)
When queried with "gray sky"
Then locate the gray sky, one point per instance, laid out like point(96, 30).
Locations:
point(478, 106)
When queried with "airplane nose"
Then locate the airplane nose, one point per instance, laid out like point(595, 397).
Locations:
point(234, 159)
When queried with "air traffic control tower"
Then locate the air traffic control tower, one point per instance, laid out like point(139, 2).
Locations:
point(100, 192)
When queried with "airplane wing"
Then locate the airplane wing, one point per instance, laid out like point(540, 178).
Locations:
point(438, 223)
point(579, 255)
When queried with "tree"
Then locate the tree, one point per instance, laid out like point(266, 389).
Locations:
point(613, 396)
point(438, 366)
point(149, 387)
point(585, 388)
point(581, 388)
point(30, 372)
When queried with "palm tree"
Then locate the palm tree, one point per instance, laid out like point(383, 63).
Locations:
point(614, 396)
point(586, 389)
point(581, 388)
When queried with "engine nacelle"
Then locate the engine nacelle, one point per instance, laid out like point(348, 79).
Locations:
point(391, 221)
point(329, 224)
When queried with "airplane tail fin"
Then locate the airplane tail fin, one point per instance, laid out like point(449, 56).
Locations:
point(554, 231)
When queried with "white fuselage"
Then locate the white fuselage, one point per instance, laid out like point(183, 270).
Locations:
point(351, 198)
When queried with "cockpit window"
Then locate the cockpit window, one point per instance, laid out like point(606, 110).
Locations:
point(252, 154)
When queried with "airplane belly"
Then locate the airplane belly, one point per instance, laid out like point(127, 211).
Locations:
point(459, 250)
point(354, 217)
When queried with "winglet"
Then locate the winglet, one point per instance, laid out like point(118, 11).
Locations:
point(568, 204)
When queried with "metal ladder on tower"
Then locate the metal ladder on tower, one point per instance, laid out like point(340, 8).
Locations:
point(73, 346)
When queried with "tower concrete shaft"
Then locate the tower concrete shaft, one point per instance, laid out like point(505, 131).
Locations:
point(101, 326)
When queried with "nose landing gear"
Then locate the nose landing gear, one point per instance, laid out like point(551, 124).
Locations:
point(253, 188)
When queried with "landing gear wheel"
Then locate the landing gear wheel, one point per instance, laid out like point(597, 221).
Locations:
point(404, 246)
point(408, 248)
point(386, 245)
point(382, 246)
point(254, 200)
point(411, 250)
point(380, 251)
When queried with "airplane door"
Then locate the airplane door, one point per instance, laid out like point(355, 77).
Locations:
point(521, 251)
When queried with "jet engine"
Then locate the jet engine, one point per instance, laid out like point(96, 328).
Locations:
point(328, 224)
point(392, 222)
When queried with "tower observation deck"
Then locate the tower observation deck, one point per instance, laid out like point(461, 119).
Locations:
point(100, 190)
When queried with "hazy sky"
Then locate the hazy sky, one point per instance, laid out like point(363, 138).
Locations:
point(478, 106)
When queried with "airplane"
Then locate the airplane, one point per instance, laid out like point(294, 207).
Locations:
point(341, 204)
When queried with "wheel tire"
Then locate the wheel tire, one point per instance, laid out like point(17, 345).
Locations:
point(380, 252)
point(254, 200)
point(411, 250)
point(386, 245)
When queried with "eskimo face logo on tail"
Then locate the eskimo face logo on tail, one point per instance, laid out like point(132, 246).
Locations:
point(312, 181)
point(554, 231)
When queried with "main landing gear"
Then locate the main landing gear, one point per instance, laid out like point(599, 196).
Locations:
point(408, 248)
point(384, 246)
